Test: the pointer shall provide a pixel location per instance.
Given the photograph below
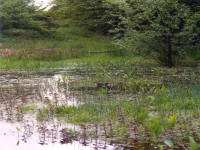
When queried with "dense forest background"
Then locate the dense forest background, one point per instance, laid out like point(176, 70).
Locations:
point(166, 30)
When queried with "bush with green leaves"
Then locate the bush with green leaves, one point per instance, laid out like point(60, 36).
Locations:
point(96, 15)
point(160, 28)
point(21, 17)
point(193, 4)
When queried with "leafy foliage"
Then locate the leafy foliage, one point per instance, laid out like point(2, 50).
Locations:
point(97, 16)
point(193, 4)
point(158, 27)
point(166, 30)
point(20, 17)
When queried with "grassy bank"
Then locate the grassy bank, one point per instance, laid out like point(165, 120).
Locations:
point(21, 53)
point(35, 53)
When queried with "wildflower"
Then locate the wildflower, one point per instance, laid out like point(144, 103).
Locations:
point(6, 52)
point(171, 118)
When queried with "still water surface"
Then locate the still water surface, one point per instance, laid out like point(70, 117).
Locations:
point(22, 131)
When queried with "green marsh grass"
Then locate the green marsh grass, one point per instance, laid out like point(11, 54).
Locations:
point(159, 115)
point(32, 53)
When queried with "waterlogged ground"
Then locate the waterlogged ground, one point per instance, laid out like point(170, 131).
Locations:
point(33, 104)
point(24, 94)
point(45, 137)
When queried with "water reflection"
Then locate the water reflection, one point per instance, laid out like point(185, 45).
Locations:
point(21, 131)
point(56, 89)
point(37, 89)
point(23, 136)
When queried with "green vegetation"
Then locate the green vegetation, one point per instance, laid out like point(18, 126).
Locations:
point(160, 28)
point(169, 34)
point(50, 53)
point(19, 18)
point(136, 106)
point(130, 59)
point(28, 108)
point(171, 110)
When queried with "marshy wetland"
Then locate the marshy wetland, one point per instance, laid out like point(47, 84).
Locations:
point(113, 106)
point(100, 75)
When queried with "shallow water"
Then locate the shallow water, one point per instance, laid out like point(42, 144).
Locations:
point(32, 137)
point(60, 87)
point(21, 131)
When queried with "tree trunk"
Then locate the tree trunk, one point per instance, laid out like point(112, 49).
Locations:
point(170, 63)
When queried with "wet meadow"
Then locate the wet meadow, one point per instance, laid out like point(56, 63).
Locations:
point(60, 95)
